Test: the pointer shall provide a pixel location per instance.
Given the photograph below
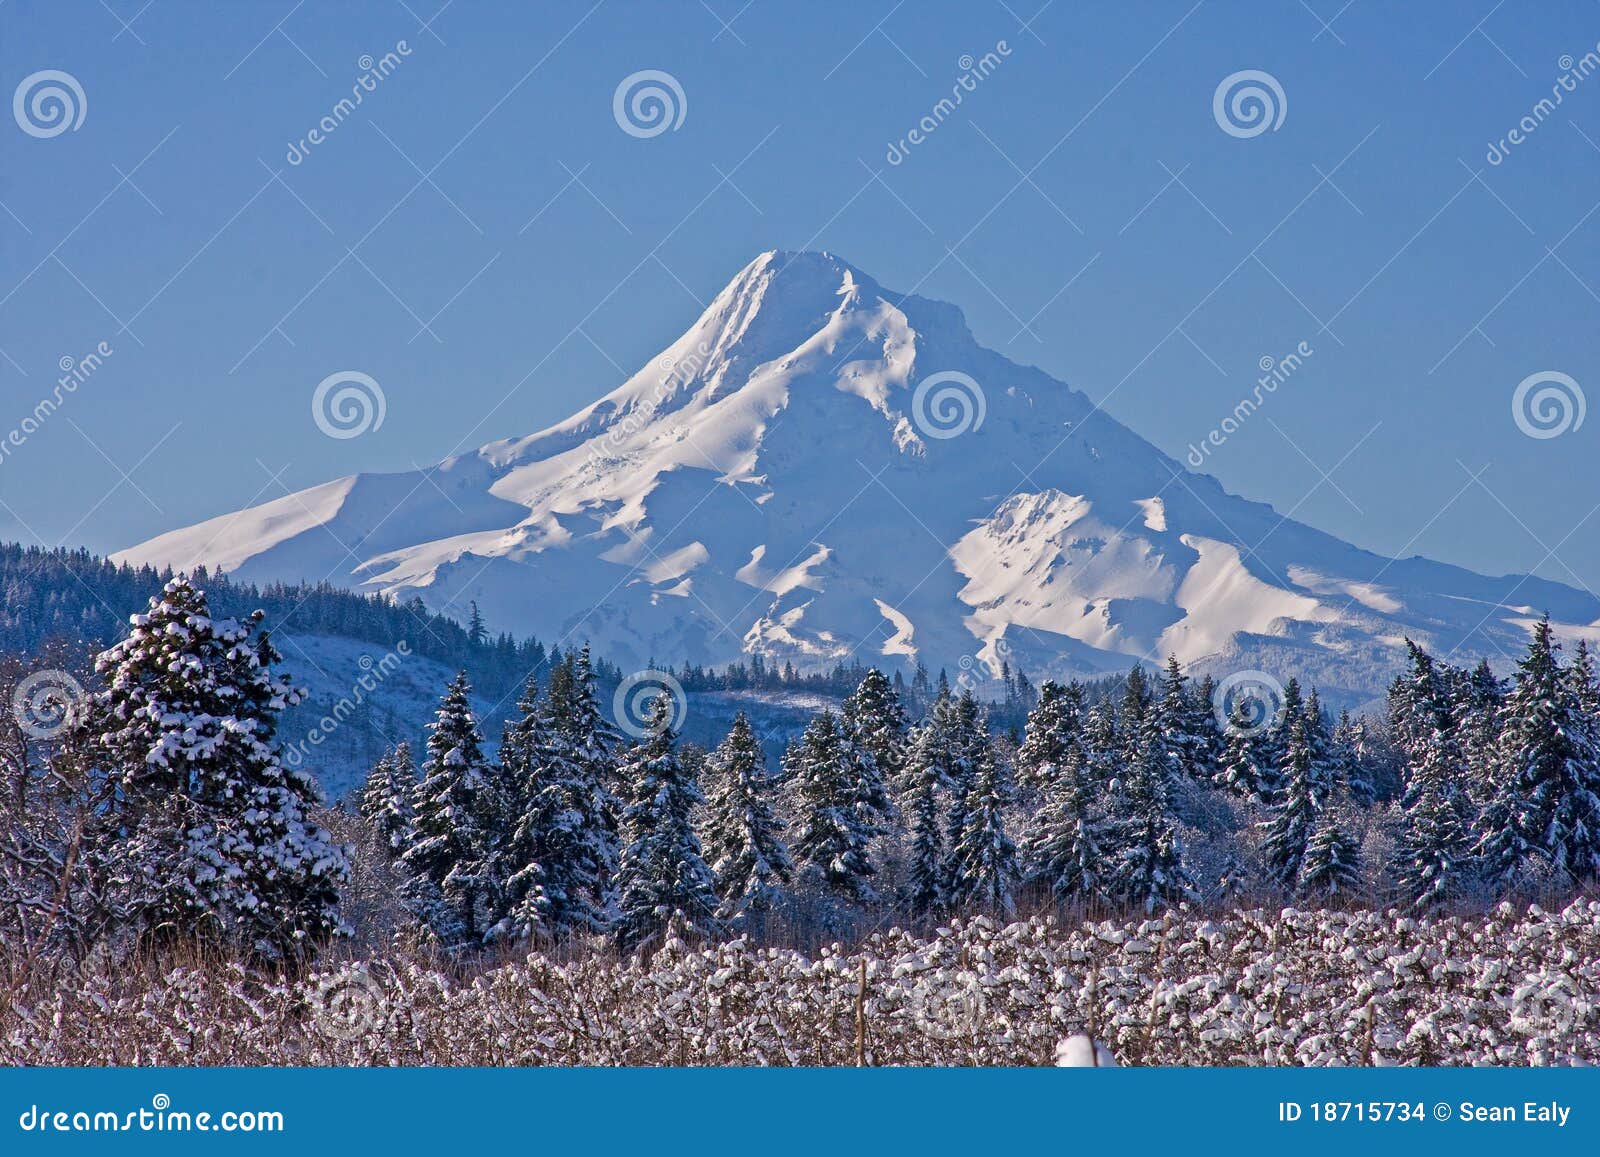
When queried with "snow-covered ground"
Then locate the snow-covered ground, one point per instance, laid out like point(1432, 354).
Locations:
point(772, 482)
point(1246, 988)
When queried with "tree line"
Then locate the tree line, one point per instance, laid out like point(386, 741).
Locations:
point(162, 812)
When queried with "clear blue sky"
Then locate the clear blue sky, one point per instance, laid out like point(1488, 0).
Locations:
point(549, 248)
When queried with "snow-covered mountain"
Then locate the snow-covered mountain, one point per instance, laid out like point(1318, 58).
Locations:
point(783, 479)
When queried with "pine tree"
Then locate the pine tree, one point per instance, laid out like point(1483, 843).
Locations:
point(1144, 843)
point(385, 799)
point(1332, 863)
point(1065, 844)
point(1546, 805)
point(1052, 737)
point(1296, 807)
point(1433, 852)
point(1244, 770)
point(964, 728)
point(1348, 772)
point(205, 835)
point(985, 856)
point(838, 805)
point(743, 838)
point(878, 724)
point(1184, 726)
point(561, 855)
point(663, 881)
point(447, 863)
point(927, 781)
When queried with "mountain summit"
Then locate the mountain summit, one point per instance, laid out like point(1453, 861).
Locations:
point(822, 468)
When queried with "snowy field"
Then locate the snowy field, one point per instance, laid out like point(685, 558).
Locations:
point(1249, 988)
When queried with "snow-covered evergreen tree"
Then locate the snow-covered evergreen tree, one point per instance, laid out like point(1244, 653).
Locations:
point(1064, 846)
point(840, 808)
point(1052, 736)
point(1184, 725)
point(927, 783)
point(205, 836)
point(1296, 807)
point(1245, 771)
point(663, 881)
point(447, 864)
point(963, 726)
point(985, 856)
point(1146, 852)
point(1433, 852)
point(561, 856)
point(743, 837)
point(1331, 866)
point(877, 722)
point(386, 797)
point(1546, 805)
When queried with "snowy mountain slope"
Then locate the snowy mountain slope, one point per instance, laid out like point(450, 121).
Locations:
point(770, 483)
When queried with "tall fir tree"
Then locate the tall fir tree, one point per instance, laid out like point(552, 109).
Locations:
point(1546, 805)
point(663, 881)
point(985, 855)
point(878, 724)
point(206, 835)
point(1052, 737)
point(927, 783)
point(838, 809)
point(1331, 867)
point(1064, 847)
point(743, 836)
point(386, 799)
point(1144, 843)
point(447, 863)
point(1295, 809)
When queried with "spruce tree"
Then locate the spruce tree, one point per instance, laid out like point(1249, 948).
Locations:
point(205, 834)
point(878, 724)
point(985, 856)
point(561, 856)
point(1546, 805)
point(663, 881)
point(1331, 866)
point(447, 863)
point(838, 809)
point(743, 838)
point(1052, 736)
point(1144, 843)
point(1295, 809)
point(927, 783)
point(386, 799)
point(1183, 725)
point(1065, 844)
point(1245, 771)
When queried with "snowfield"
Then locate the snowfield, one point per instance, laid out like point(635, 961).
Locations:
point(1296, 987)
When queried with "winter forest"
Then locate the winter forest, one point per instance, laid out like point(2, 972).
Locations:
point(1274, 886)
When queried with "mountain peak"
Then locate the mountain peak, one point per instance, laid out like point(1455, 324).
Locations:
point(780, 481)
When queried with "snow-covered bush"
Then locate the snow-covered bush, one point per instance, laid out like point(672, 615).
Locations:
point(1255, 987)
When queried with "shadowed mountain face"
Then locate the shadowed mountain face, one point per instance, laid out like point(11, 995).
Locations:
point(786, 479)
